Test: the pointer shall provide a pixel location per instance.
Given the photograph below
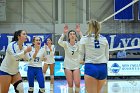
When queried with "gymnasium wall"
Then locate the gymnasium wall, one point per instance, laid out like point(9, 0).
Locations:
point(45, 16)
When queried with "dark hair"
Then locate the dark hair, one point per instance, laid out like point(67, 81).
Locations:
point(69, 33)
point(34, 40)
point(16, 34)
point(50, 38)
point(47, 40)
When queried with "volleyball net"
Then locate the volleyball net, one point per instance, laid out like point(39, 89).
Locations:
point(133, 2)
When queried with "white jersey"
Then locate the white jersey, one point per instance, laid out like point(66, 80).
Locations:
point(71, 60)
point(49, 54)
point(11, 61)
point(37, 62)
point(95, 51)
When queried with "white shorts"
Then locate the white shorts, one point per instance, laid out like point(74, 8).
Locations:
point(48, 63)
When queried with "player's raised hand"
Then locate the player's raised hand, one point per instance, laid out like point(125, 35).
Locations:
point(78, 28)
point(65, 28)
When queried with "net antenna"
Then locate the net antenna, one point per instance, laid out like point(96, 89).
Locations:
point(134, 1)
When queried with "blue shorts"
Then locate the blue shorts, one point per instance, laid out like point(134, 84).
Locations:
point(35, 72)
point(4, 73)
point(98, 71)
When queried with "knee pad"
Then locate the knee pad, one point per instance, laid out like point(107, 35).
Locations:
point(77, 89)
point(51, 76)
point(18, 86)
point(30, 90)
point(41, 90)
point(70, 90)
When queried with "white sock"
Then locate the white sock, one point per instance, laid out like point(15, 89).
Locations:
point(77, 90)
point(31, 89)
point(51, 86)
point(42, 90)
point(70, 90)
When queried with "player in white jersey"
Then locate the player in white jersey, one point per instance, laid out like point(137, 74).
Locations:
point(9, 72)
point(71, 61)
point(96, 56)
point(50, 62)
point(35, 66)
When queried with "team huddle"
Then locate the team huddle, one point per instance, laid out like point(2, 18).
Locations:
point(92, 50)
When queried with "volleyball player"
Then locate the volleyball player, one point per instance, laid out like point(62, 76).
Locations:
point(96, 57)
point(9, 72)
point(50, 62)
point(35, 66)
point(71, 61)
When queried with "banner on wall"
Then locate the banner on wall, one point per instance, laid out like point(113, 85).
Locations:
point(115, 68)
point(122, 40)
point(5, 39)
point(126, 14)
point(123, 68)
point(114, 40)
point(139, 11)
point(59, 69)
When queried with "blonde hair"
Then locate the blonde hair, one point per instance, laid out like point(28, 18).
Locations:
point(94, 26)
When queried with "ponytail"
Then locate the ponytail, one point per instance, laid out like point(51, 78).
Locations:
point(93, 26)
point(97, 30)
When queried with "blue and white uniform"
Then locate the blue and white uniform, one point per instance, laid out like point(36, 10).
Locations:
point(10, 63)
point(96, 56)
point(49, 54)
point(35, 69)
point(72, 56)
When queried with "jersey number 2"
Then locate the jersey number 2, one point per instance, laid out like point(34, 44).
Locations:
point(72, 52)
point(96, 44)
